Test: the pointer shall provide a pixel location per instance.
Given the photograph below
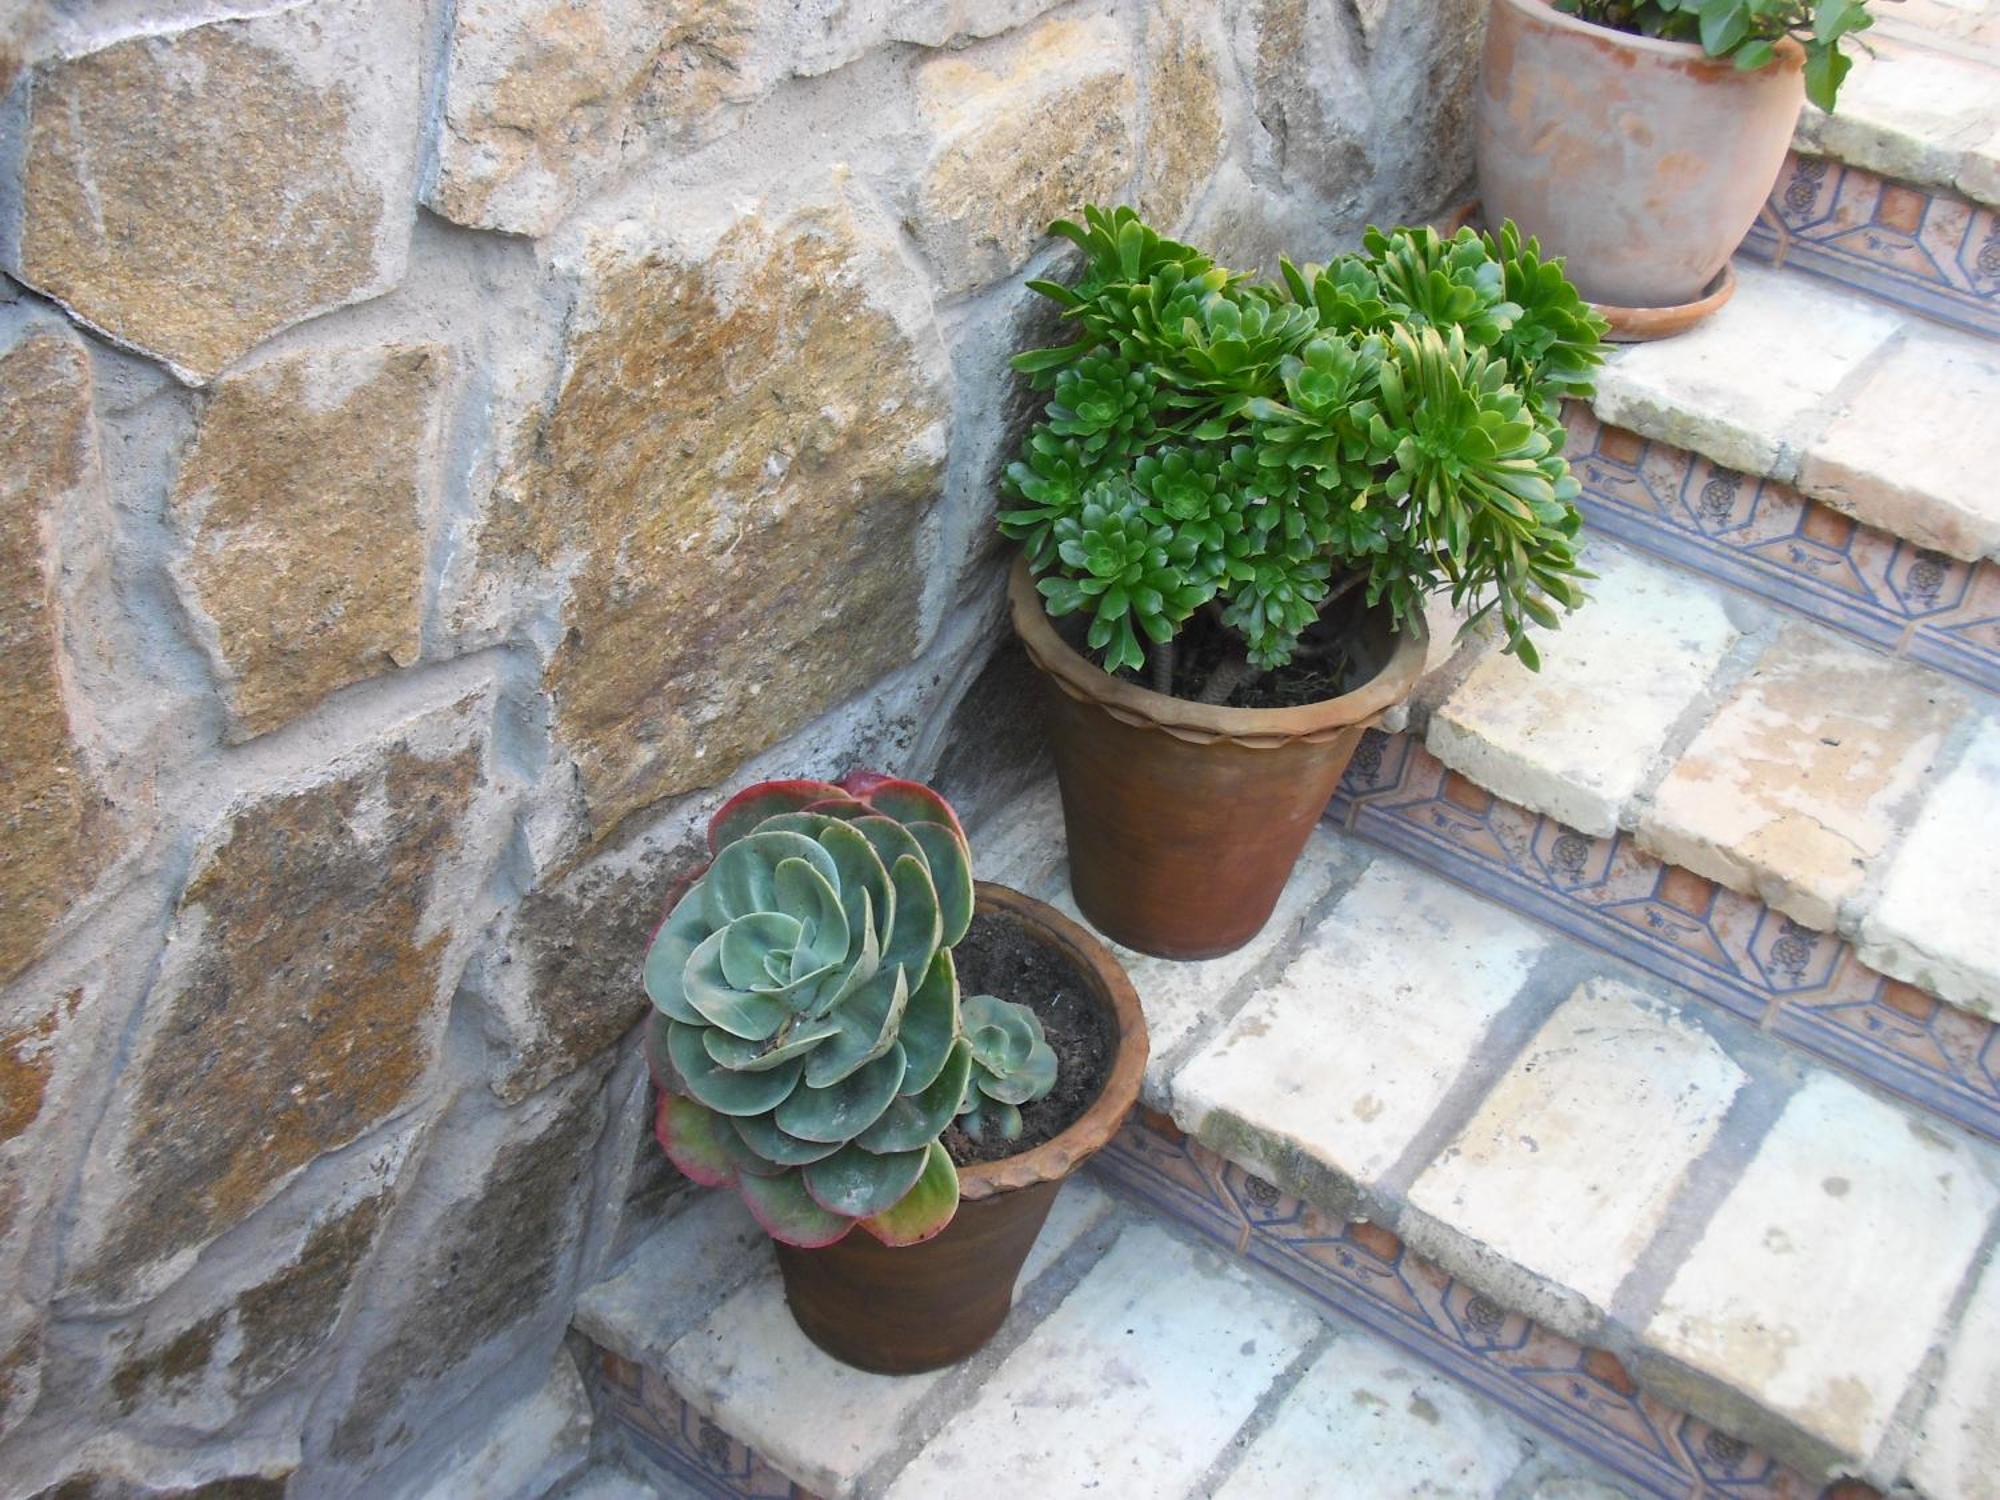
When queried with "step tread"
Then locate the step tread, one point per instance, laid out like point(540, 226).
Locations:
point(1922, 109)
point(1135, 1362)
point(1874, 413)
point(1842, 787)
point(1599, 1151)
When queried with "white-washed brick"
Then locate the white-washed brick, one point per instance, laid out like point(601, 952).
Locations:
point(1575, 740)
point(1178, 996)
point(820, 1421)
point(1788, 1297)
point(1367, 1421)
point(1569, 1167)
point(1937, 922)
point(1743, 386)
point(1130, 1387)
point(1958, 1448)
point(674, 1277)
point(1792, 789)
point(1917, 114)
point(1903, 451)
point(1346, 1056)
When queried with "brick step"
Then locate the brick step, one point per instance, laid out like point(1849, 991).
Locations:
point(1844, 789)
point(1753, 1237)
point(1138, 1361)
point(1855, 404)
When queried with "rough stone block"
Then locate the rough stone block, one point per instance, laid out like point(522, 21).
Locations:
point(531, 1448)
point(1365, 1420)
point(1895, 453)
point(191, 190)
point(748, 431)
point(1958, 1447)
point(1717, 390)
point(820, 1421)
point(55, 821)
point(303, 507)
point(1186, 134)
point(1137, 1380)
point(1569, 1167)
point(1024, 132)
point(299, 1000)
point(1339, 1063)
point(1933, 923)
point(1576, 739)
point(1796, 786)
point(1775, 1301)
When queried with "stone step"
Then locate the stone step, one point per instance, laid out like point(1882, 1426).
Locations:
point(1137, 1362)
point(1755, 1238)
point(1859, 406)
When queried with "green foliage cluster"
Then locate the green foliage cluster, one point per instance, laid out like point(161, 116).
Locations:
point(1745, 31)
point(1012, 1064)
point(806, 1037)
point(1396, 413)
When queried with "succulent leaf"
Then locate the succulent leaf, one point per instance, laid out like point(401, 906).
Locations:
point(842, 1110)
point(865, 1027)
point(692, 1138)
point(914, 1118)
point(786, 1211)
point(930, 1022)
point(728, 1092)
point(860, 1183)
point(926, 1209)
point(761, 1135)
point(1012, 1065)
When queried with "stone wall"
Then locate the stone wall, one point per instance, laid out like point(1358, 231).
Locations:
point(444, 449)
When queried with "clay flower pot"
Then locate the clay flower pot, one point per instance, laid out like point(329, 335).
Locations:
point(898, 1311)
point(1644, 162)
point(1184, 819)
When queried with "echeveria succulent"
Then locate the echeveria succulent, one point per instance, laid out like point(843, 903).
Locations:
point(1012, 1064)
point(806, 1036)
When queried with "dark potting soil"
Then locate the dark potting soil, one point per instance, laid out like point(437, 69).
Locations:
point(1000, 956)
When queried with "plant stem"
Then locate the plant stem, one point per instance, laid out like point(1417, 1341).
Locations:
point(1160, 659)
point(1232, 672)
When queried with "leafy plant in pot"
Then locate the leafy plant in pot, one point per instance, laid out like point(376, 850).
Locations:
point(1238, 498)
point(811, 1051)
point(1640, 138)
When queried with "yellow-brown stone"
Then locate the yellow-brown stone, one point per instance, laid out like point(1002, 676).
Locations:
point(302, 507)
point(296, 1005)
point(193, 191)
point(547, 98)
point(1026, 132)
point(1185, 136)
point(737, 461)
point(53, 818)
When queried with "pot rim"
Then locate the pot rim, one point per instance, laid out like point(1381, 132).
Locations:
point(1083, 679)
point(1056, 1158)
point(1790, 53)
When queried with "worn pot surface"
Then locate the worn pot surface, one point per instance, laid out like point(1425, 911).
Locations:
point(919, 1307)
point(1643, 162)
point(1184, 819)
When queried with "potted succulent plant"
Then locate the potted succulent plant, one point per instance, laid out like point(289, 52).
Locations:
point(1237, 500)
point(1640, 138)
point(812, 1052)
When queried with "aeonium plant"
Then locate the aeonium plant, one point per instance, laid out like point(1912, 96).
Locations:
point(1747, 32)
point(1383, 427)
point(807, 1037)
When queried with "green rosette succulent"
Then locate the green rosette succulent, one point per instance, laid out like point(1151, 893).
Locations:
point(806, 1031)
point(1012, 1065)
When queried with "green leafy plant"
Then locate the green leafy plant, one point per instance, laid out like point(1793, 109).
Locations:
point(1745, 31)
point(1012, 1064)
point(1387, 425)
point(806, 1035)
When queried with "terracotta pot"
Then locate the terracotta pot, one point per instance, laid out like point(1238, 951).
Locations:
point(1184, 819)
point(900, 1311)
point(1643, 162)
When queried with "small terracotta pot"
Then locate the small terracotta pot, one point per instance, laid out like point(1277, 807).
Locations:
point(920, 1307)
point(1184, 819)
point(1642, 162)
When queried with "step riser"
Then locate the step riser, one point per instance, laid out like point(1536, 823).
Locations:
point(655, 1426)
point(1803, 986)
point(1766, 539)
point(1930, 252)
point(1361, 1271)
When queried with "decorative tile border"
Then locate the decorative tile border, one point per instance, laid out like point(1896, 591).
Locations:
point(1931, 252)
point(1766, 538)
point(662, 1430)
point(1582, 1396)
point(1730, 949)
